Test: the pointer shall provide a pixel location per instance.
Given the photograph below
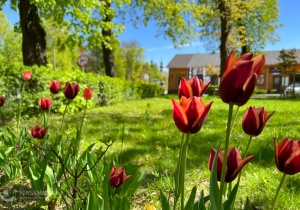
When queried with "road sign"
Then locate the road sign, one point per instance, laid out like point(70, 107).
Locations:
point(82, 60)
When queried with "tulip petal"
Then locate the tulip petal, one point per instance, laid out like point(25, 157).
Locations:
point(219, 163)
point(195, 85)
point(258, 64)
point(233, 81)
point(179, 117)
point(184, 88)
point(250, 121)
point(203, 87)
point(240, 167)
point(200, 121)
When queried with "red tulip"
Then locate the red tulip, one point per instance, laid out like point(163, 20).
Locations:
point(87, 94)
point(26, 75)
point(234, 163)
point(71, 90)
point(287, 156)
point(192, 87)
point(117, 176)
point(37, 132)
point(45, 103)
point(55, 86)
point(239, 78)
point(2, 100)
point(254, 120)
point(190, 114)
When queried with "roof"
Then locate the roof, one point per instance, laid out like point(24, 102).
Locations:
point(200, 60)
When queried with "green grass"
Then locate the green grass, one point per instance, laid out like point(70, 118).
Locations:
point(152, 140)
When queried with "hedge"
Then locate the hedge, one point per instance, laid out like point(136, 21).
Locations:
point(106, 90)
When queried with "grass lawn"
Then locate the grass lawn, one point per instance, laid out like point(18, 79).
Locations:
point(152, 140)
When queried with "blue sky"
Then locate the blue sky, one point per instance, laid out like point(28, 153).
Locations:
point(160, 49)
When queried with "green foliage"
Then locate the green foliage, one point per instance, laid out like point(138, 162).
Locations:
point(212, 90)
point(105, 90)
point(114, 90)
point(260, 91)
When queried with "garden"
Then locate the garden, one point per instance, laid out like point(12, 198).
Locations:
point(71, 140)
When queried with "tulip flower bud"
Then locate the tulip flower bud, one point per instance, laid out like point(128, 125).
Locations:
point(2, 100)
point(45, 103)
point(71, 90)
point(254, 120)
point(26, 75)
point(192, 87)
point(54, 86)
point(87, 94)
point(117, 177)
point(190, 114)
point(234, 163)
point(37, 132)
point(287, 156)
point(239, 78)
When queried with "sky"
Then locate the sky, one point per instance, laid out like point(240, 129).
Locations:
point(158, 49)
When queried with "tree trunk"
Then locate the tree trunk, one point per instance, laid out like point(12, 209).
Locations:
point(108, 58)
point(245, 49)
point(224, 11)
point(34, 36)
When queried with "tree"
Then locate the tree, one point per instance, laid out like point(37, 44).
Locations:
point(34, 36)
point(84, 20)
point(288, 60)
point(59, 55)
point(134, 58)
point(10, 42)
point(223, 24)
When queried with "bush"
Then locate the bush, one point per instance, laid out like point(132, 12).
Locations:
point(114, 90)
point(212, 90)
point(106, 90)
point(260, 91)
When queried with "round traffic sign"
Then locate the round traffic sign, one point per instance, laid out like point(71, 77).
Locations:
point(82, 60)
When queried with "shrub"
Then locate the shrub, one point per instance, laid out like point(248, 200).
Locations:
point(260, 91)
point(106, 90)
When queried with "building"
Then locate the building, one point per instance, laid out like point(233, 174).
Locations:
point(274, 77)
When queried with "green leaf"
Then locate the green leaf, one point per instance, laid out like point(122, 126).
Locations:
point(51, 187)
point(247, 205)
point(164, 201)
point(229, 202)
point(189, 204)
point(9, 149)
point(213, 185)
point(200, 205)
point(94, 202)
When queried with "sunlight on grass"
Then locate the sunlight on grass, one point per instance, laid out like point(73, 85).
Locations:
point(152, 140)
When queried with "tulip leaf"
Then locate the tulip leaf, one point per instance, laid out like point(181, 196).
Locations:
point(51, 187)
point(189, 204)
point(213, 185)
point(165, 205)
point(247, 205)
point(200, 204)
point(228, 203)
point(94, 202)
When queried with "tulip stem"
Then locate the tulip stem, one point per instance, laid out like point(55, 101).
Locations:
point(277, 192)
point(224, 164)
point(45, 119)
point(247, 148)
point(20, 108)
point(183, 169)
point(84, 112)
point(63, 117)
point(178, 173)
point(235, 116)
point(240, 174)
